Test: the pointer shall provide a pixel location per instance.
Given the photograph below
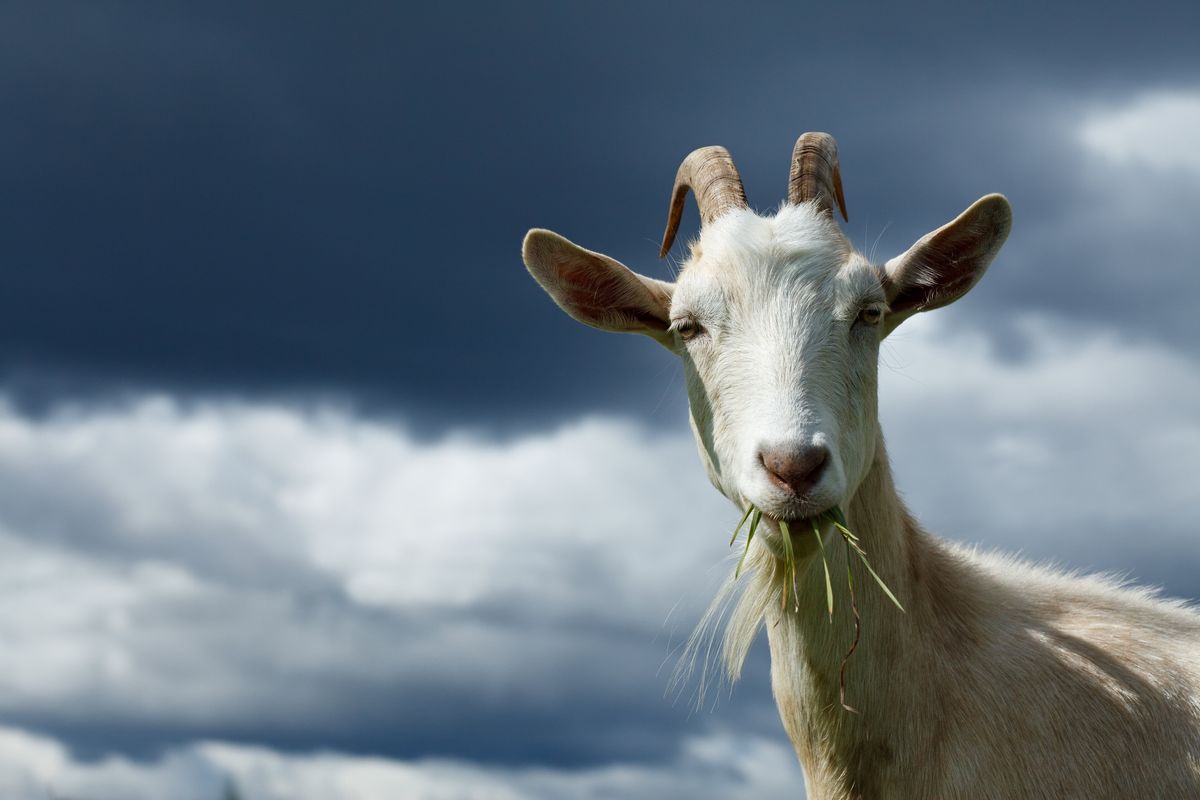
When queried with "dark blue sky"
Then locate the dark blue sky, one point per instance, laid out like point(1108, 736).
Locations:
point(260, 209)
point(280, 197)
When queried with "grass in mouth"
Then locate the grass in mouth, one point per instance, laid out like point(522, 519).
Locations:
point(838, 519)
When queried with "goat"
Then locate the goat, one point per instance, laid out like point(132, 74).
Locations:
point(1002, 679)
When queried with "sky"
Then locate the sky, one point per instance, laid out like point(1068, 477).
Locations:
point(307, 488)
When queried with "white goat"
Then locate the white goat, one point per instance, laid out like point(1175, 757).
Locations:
point(1002, 680)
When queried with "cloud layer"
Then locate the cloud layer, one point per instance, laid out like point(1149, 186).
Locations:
point(308, 578)
point(1156, 130)
point(717, 767)
point(1083, 451)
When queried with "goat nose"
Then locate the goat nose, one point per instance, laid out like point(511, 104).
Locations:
point(796, 469)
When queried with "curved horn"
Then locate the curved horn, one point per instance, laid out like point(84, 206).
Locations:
point(711, 175)
point(815, 174)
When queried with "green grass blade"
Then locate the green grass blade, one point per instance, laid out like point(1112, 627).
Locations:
point(879, 580)
point(738, 529)
point(846, 532)
point(854, 544)
point(789, 562)
point(838, 517)
point(737, 573)
point(825, 564)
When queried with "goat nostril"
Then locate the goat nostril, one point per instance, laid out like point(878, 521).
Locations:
point(795, 470)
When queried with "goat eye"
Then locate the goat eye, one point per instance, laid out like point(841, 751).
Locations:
point(871, 315)
point(687, 328)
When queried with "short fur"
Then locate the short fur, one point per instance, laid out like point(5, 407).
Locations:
point(1002, 679)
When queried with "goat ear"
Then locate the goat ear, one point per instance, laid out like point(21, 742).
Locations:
point(943, 265)
point(598, 290)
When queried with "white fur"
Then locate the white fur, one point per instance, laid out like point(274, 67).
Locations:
point(1002, 679)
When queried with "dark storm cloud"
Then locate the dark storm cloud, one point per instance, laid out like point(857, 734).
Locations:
point(278, 197)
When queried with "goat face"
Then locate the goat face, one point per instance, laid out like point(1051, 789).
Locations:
point(778, 322)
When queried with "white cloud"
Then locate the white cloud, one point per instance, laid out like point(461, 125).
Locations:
point(216, 567)
point(242, 492)
point(34, 767)
point(1158, 129)
point(717, 766)
point(1103, 194)
point(1082, 451)
point(209, 564)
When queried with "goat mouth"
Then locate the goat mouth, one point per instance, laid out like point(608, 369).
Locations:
point(802, 542)
point(799, 527)
point(799, 524)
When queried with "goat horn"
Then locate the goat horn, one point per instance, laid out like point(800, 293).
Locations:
point(711, 175)
point(815, 174)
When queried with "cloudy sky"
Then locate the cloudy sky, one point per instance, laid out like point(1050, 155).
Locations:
point(305, 485)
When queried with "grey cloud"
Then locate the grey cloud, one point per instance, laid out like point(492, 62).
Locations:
point(307, 578)
point(1081, 453)
point(483, 587)
point(720, 765)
